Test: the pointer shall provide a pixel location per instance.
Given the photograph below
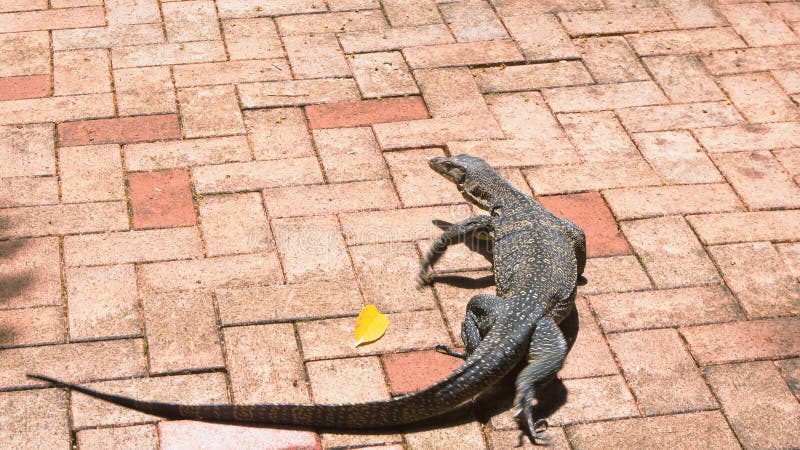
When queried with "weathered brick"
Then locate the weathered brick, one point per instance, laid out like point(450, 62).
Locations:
point(81, 72)
point(132, 246)
point(399, 225)
point(73, 218)
point(677, 157)
point(110, 36)
point(137, 436)
point(194, 389)
point(747, 227)
point(450, 92)
point(790, 369)
point(350, 154)
point(670, 117)
point(226, 72)
point(590, 356)
point(395, 38)
point(462, 54)
point(615, 21)
point(329, 380)
point(416, 183)
point(181, 332)
point(742, 341)
point(707, 429)
point(33, 326)
point(210, 111)
point(598, 136)
point(591, 213)
point(382, 74)
point(312, 249)
point(468, 435)
point(102, 359)
point(119, 130)
point(704, 40)
point(472, 20)
point(759, 98)
point(654, 361)
point(683, 78)
point(191, 21)
point(165, 54)
point(23, 5)
point(366, 112)
point(316, 56)
point(611, 60)
point(409, 13)
point(757, 25)
point(265, 364)
point(91, 173)
point(789, 79)
point(637, 203)
point(791, 257)
point(755, 59)
point(670, 251)
point(161, 199)
point(28, 191)
point(255, 175)
point(790, 159)
point(333, 198)
point(297, 92)
point(335, 22)
point(436, 132)
point(52, 19)
point(211, 273)
point(607, 96)
point(665, 308)
point(693, 13)
point(614, 274)
point(761, 421)
point(185, 433)
point(758, 178)
point(314, 299)
point(518, 152)
point(24, 53)
point(144, 90)
point(758, 278)
point(102, 302)
point(510, 438)
point(234, 224)
point(24, 86)
point(37, 416)
point(278, 133)
point(525, 116)
point(531, 76)
point(56, 109)
point(413, 371)
point(257, 8)
point(132, 11)
point(541, 37)
point(325, 339)
point(744, 137)
point(252, 38)
point(594, 399)
point(185, 153)
point(388, 277)
point(546, 180)
point(27, 150)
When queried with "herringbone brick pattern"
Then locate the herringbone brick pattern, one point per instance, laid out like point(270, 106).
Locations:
point(197, 197)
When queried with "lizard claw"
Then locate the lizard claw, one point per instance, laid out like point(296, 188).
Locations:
point(424, 279)
point(534, 429)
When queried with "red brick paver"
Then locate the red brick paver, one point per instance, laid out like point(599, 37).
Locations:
point(197, 198)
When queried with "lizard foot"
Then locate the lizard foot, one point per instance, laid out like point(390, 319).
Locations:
point(445, 350)
point(424, 279)
point(532, 428)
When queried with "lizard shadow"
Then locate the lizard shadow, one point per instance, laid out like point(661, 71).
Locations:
point(11, 285)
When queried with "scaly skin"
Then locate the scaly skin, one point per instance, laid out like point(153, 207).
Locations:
point(537, 260)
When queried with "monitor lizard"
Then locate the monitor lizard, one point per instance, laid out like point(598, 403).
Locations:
point(537, 261)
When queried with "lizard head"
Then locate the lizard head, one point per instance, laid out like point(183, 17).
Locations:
point(472, 176)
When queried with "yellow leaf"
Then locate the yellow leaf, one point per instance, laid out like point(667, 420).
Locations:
point(371, 325)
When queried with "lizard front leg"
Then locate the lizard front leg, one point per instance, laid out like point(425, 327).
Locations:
point(454, 234)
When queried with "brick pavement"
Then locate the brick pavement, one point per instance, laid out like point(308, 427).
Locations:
point(197, 197)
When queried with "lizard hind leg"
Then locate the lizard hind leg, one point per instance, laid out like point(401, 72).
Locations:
point(481, 314)
point(546, 356)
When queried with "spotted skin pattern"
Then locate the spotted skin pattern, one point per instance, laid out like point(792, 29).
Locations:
point(537, 260)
